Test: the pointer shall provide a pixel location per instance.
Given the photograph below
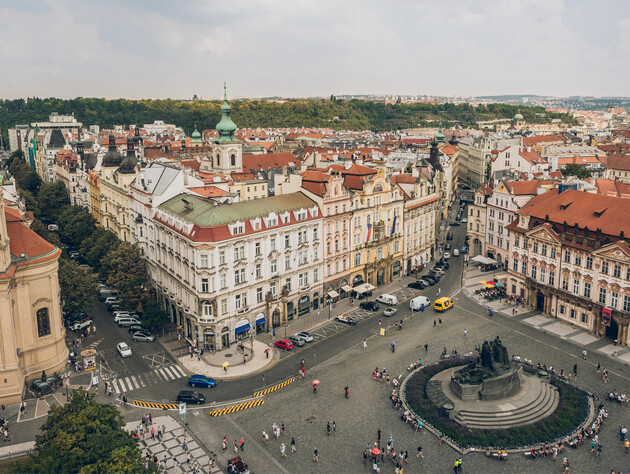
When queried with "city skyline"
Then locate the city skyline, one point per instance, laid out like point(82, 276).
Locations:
point(158, 50)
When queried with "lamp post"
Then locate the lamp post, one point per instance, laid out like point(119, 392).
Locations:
point(329, 308)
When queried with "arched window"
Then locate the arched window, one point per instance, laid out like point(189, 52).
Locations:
point(43, 322)
point(233, 159)
point(218, 160)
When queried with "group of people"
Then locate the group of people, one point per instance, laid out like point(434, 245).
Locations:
point(277, 431)
point(547, 450)
point(617, 397)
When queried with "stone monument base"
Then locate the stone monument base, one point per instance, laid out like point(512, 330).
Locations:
point(534, 400)
point(494, 388)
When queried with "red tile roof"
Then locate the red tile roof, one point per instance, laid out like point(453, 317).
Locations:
point(537, 139)
point(582, 208)
point(209, 191)
point(24, 240)
point(532, 157)
point(448, 149)
point(526, 187)
point(269, 161)
point(618, 162)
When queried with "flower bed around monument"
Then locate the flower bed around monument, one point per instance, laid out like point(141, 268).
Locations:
point(572, 410)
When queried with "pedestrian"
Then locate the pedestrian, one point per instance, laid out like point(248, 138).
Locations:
point(406, 456)
point(334, 428)
point(236, 446)
point(555, 453)
point(242, 443)
point(465, 332)
point(23, 408)
point(440, 322)
point(188, 457)
point(575, 370)
point(244, 359)
point(584, 354)
point(426, 347)
point(434, 323)
point(375, 467)
point(328, 428)
point(315, 459)
point(624, 430)
point(164, 462)
point(365, 456)
point(420, 454)
point(364, 343)
point(627, 445)
point(600, 446)
point(598, 367)
point(293, 449)
point(175, 462)
point(283, 450)
point(378, 435)
point(265, 438)
point(282, 428)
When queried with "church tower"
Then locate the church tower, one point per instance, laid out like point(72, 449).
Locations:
point(5, 251)
point(228, 151)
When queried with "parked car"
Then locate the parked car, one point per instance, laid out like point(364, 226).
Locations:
point(123, 349)
point(455, 253)
point(115, 307)
point(342, 318)
point(429, 281)
point(305, 335)
point(126, 322)
point(390, 300)
point(142, 336)
point(449, 236)
point(73, 255)
point(417, 285)
point(369, 306)
point(455, 223)
point(138, 327)
point(284, 344)
point(447, 255)
point(464, 220)
point(121, 314)
point(78, 326)
point(296, 341)
point(464, 250)
point(201, 381)
point(390, 312)
point(188, 396)
point(447, 247)
point(112, 300)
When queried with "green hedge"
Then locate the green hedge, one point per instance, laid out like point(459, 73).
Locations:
point(572, 410)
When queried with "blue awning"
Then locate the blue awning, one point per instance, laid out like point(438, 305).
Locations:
point(260, 319)
point(241, 329)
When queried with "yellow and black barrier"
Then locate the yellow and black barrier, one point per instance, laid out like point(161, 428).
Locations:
point(237, 407)
point(275, 387)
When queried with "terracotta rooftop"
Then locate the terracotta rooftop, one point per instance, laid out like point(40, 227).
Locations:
point(535, 140)
point(269, 161)
point(24, 240)
point(595, 211)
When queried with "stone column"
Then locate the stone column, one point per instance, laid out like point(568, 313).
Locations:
point(268, 317)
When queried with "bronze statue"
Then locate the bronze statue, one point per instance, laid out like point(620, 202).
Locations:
point(493, 361)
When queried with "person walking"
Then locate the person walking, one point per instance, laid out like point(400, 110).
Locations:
point(293, 448)
point(283, 450)
point(584, 354)
point(575, 370)
point(420, 454)
point(315, 458)
point(364, 343)
point(265, 437)
point(426, 347)
point(242, 443)
point(334, 428)
point(440, 322)
point(465, 332)
point(224, 443)
point(378, 436)
point(393, 346)
point(598, 367)
point(328, 428)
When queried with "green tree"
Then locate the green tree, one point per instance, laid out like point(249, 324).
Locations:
point(52, 198)
point(576, 170)
point(135, 294)
point(76, 224)
point(42, 230)
point(123, 264)
point(78, 292)
point(30, 202)
point(84, 436)
point(96, 246)
point(154, 316)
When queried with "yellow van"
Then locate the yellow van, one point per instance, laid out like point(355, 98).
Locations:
point(442, 304)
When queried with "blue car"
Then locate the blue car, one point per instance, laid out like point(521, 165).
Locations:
point(464, 250)
point(201, 381)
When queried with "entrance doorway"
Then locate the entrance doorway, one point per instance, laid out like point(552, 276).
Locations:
point(275, 318)
point(613, 330)
point(225, 338)
point(380, 277)
point(540, 301)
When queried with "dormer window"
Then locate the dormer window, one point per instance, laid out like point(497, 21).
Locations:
point(238, 228)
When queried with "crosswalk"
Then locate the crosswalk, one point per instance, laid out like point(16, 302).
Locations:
point(134, 382)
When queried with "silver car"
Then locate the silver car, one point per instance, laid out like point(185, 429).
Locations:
point(141, 336)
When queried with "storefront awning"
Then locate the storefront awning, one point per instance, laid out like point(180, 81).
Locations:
point(346, 288)
point(333, 294)
point(260, 319)
point(363, 288)
point(242, 326)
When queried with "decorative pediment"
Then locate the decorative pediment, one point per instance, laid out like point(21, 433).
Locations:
point(615, 251)
point(544, 232)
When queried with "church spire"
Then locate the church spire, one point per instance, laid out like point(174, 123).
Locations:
point(440, 136)
point(226, 127)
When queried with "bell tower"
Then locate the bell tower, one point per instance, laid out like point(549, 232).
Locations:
point(228, 151)
point(5, 251)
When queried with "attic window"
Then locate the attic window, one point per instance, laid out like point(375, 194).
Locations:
point(600, 212)
point(238, 228)
point(300, 215)
point(565, 205)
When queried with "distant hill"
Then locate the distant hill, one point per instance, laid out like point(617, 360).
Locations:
point(336, 113)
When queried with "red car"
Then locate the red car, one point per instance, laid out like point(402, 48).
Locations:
point(284, 344)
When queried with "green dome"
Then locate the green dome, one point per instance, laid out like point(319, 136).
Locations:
point(226, 127)
point(518, 117)
point(196, 133)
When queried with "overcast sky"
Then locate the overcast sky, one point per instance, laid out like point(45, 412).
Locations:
point(292, 48)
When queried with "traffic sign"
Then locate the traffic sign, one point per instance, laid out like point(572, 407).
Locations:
point(182, 408)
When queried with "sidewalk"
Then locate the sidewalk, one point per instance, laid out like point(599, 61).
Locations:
point(558, 327)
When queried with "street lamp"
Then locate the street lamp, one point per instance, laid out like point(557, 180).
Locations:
point(329, 308)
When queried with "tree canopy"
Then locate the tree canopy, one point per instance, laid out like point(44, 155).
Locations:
point(123, 264)
point(576, 170)
point(86, 437)
point(76, 224)
point(78, 293)
point(52, 198)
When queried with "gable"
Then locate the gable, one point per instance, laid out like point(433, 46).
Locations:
point(615, 251)
point(544, 232)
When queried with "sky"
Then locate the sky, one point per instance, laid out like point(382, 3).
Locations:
point(303, 48)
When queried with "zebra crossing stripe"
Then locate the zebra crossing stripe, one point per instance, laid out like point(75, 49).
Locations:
point(115, 385)
point(178, 369)
point(170, 374)
point(122, 386)
point(162, 373)
point(274, 388)
point(237, 407)
point(135, 382)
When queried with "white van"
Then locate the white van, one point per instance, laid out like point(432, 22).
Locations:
point(387, 299)
point(128, 321)
point(416, 303)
